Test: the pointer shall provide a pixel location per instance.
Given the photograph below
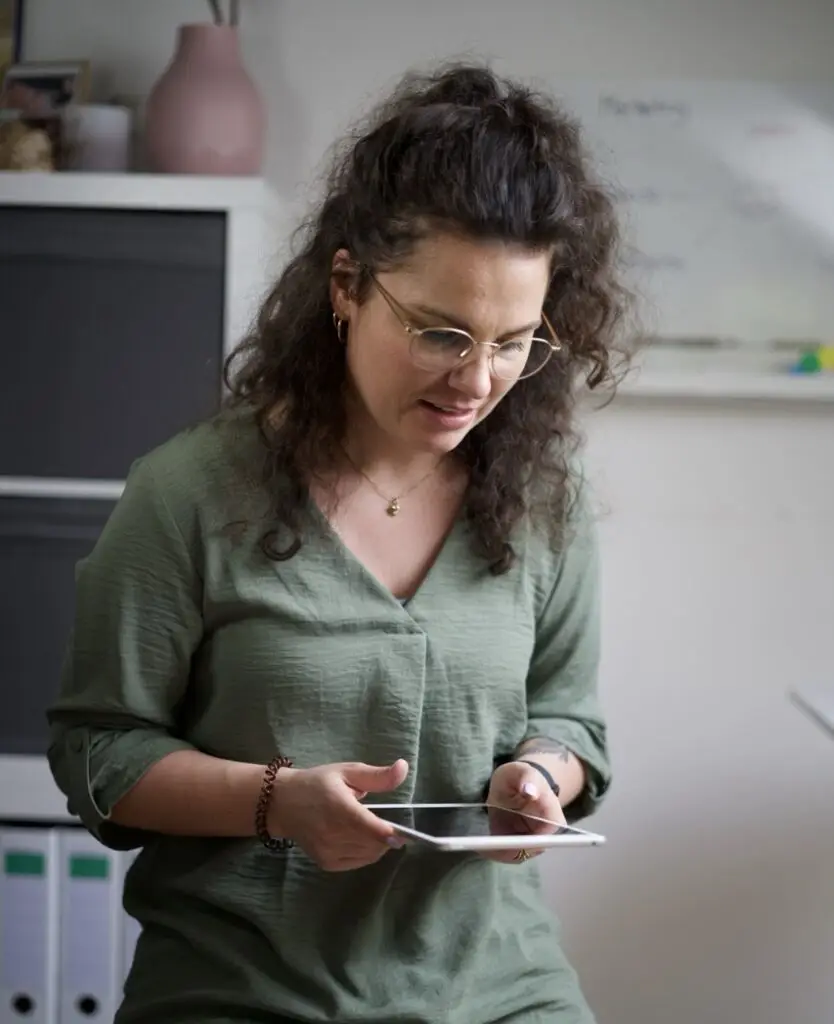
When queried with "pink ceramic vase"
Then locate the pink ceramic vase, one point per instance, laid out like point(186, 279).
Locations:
point(204, 115)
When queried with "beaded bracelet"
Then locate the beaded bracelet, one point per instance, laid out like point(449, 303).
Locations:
point(261, 830)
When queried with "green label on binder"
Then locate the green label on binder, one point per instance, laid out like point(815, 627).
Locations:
point(89, 866)
point(23, 862)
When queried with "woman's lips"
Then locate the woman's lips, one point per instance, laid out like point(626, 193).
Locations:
point(450, 417)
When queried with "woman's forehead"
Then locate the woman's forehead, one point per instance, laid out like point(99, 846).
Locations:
point(458, 276)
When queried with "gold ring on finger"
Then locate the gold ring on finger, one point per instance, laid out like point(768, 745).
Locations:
point(522, 856)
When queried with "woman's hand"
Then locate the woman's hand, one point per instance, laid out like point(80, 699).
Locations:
point(320, 809)
point(518, 786)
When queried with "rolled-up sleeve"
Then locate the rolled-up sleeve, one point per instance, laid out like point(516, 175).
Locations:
point(137, 624)
point(562, 684)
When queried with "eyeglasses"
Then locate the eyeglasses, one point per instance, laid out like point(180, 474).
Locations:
point(442, 349)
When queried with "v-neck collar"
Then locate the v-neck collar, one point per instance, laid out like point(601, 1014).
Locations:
point(358, 568)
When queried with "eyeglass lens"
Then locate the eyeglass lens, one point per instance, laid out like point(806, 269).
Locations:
point(439, 349)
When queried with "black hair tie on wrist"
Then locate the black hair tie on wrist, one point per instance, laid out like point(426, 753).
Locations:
point(554, 785)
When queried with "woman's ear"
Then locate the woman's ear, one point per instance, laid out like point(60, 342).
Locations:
point(344, 276)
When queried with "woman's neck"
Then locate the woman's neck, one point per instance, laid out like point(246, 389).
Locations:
point(389, 464)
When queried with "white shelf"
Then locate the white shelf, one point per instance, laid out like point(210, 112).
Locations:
point(28, 792)
point(132, 191)
point(718, 385)
point(53, 487)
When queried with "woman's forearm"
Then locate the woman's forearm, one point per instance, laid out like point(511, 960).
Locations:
point(561, 763)
point(188, 793)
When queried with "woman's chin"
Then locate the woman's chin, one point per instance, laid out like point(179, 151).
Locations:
point(435, 442)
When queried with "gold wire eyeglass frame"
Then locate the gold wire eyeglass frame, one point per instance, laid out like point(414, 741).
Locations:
point(548, 347)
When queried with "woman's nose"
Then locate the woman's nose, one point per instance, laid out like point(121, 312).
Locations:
point(474, 376)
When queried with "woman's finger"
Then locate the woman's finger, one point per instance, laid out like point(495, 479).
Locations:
point(353, 860)
point(521, 798)
point(551, 814)
point(530, 792)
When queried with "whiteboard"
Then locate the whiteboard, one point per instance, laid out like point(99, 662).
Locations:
point(726, 191)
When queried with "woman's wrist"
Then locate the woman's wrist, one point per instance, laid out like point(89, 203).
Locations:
point(268, 828)
point(243, 783)
point(554, 786)
point(192, 793)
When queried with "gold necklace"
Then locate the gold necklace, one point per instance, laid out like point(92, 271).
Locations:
point(392, 507)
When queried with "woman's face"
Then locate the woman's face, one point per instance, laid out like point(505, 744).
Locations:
point(493, 291)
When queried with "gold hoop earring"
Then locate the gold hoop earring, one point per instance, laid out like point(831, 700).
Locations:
point(339, 323)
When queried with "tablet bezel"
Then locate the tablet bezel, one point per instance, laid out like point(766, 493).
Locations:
point(486, 844)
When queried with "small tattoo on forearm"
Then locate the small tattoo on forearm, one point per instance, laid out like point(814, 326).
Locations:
point(543, 745)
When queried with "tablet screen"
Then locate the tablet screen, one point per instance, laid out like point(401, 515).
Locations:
point(465, 820)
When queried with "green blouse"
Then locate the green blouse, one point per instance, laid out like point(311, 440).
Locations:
point(187, 636)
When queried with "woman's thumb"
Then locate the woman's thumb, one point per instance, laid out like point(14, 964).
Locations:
point(369, 778)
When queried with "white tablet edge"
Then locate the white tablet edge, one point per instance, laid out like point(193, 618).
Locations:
point(580, 837)
point(493, 844)
point(816, 706)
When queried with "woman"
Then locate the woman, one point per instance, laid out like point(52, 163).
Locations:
point(373, 565)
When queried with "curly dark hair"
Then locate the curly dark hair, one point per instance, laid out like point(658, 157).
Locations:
point(464, 151)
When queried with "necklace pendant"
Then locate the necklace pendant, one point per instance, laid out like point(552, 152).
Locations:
point(393, 507)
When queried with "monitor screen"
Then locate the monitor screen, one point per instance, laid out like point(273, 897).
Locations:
point(112, 331)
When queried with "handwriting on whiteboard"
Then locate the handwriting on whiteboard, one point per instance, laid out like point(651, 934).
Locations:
point(649, 195)
point(724, 192)
point(671, 110)
point(667, 261)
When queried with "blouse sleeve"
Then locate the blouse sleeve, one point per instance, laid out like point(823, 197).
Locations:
point(137, 624)
point(563, 703)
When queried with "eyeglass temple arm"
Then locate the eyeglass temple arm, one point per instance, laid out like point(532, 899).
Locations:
point(556, 341)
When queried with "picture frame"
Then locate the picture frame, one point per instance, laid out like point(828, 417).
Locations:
point(41, 89)
point(11, 32)
point(35, 93)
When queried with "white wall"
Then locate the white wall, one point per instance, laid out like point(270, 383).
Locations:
point(714, 900)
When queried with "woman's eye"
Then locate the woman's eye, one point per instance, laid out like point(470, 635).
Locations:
point(445, 339)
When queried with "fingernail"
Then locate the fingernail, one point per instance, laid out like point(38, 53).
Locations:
point(395, 842)
point(529, 790)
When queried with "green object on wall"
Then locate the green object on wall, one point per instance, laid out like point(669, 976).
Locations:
point(809, 362)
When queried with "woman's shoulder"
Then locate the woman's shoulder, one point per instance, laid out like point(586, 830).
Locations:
point(211, 447)
point(560, 550)
point(209, 472)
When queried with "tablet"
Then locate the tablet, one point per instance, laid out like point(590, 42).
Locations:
point(818, 705)
point(470, 827)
